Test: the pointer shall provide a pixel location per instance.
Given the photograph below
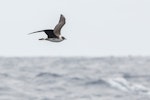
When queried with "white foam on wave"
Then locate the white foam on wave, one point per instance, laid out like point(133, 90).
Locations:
point(122, 84)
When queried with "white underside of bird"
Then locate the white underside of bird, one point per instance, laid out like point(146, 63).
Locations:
point(52, 39)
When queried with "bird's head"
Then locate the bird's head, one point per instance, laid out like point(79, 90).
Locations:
point(63, 38)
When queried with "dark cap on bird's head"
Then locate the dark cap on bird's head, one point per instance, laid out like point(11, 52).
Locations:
point(63, 38)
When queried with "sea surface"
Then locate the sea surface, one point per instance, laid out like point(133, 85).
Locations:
point(75, 78)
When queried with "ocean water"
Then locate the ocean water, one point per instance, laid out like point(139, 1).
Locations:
point(54, 78)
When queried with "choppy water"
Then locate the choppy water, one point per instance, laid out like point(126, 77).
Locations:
point(109, 78)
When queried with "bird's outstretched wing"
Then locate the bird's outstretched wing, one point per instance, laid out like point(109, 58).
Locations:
point(48, 32)
point(36, 32)
point(60, 24)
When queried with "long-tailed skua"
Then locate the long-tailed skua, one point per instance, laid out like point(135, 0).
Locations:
point(54, 35)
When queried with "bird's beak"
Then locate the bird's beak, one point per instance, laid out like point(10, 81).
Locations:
point(64, 38)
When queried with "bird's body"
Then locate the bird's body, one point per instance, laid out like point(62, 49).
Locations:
point(54, 39)
point(54, 35)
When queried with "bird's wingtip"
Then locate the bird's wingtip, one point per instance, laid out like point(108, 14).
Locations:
point(62, 15)
point(29, 33)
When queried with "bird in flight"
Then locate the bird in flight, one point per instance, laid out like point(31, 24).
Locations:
point(55, 34)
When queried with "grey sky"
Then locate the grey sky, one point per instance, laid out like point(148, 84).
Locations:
point(93, 27)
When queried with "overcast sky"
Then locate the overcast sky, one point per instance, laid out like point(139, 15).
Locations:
point(93, 27)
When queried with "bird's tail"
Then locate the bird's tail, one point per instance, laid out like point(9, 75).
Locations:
point(36, 32)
